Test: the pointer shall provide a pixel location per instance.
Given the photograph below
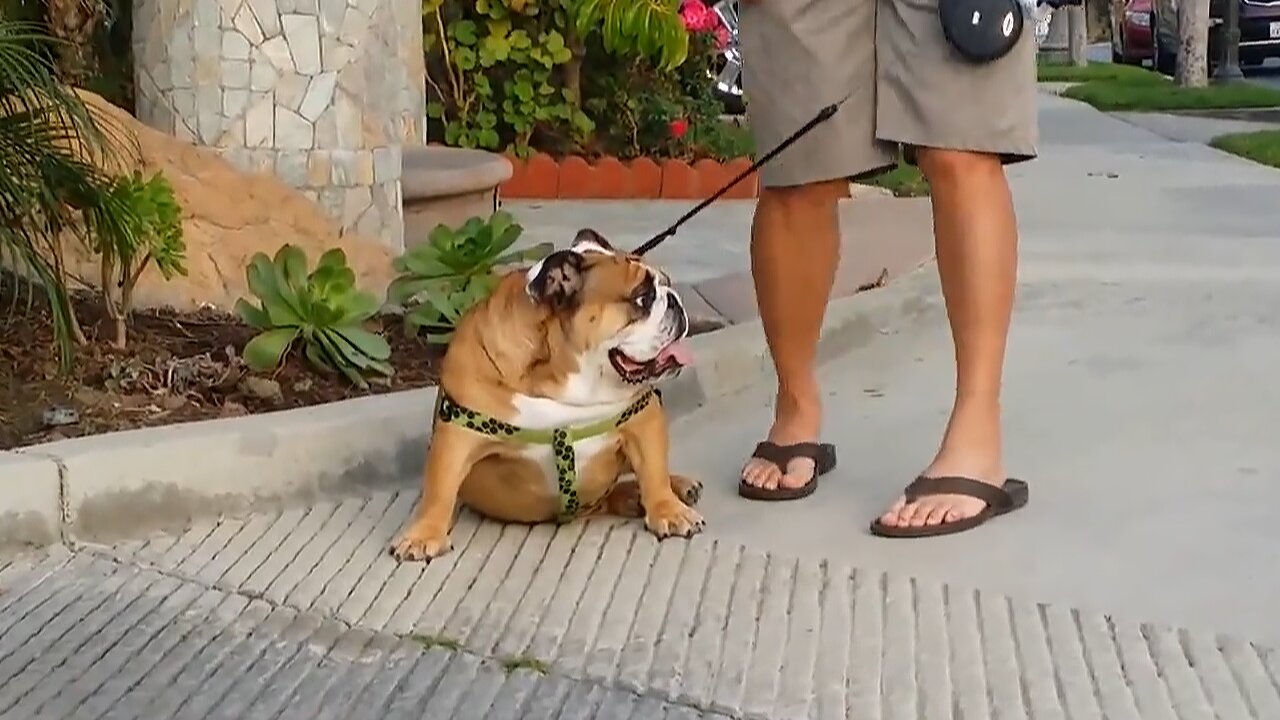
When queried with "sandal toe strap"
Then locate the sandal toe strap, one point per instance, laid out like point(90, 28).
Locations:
point(995, 497)
point(822, 454)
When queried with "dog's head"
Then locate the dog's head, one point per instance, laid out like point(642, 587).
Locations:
point(614, 308)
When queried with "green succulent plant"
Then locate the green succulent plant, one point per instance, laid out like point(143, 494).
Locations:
point(322, 308)
point(443, 278)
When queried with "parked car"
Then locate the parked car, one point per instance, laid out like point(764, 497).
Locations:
point(1131, 33)
point(1259, 32)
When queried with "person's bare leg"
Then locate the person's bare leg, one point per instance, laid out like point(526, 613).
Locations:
point(795, 247)
point(976, 236)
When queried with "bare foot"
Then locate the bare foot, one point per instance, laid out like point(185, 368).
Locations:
point(971, 449)
point(796, 420)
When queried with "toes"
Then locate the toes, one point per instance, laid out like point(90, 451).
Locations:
point(919, 513)
point(892, 517)
point(937, 515)
point(932, 510)
point(674, 521)
point(413, 548)
point(762, 474)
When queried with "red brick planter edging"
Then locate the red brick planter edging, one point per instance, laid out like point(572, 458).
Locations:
point(574, 178)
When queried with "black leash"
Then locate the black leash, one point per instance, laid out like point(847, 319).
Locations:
point(823, 115)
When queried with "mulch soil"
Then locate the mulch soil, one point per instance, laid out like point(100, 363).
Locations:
point(178, 367)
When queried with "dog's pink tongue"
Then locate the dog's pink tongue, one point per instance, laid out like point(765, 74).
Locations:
point(677, 351)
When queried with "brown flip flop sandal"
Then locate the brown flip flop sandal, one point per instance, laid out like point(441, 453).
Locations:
point(1000, 501)
point(823, 456)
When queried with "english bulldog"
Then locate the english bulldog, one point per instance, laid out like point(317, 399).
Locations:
point(546, 406)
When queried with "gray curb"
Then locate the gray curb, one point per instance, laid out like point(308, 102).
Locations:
point(122, 484)
point(30, 499)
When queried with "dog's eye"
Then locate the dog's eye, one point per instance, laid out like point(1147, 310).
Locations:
point(643, 297)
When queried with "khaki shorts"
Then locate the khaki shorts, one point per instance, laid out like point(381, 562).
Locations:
point(909, 87)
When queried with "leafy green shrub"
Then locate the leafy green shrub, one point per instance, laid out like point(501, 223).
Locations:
point(508, 74)
point(640, 109)
point(443, 278)
point(323, 309)
point(138, 225)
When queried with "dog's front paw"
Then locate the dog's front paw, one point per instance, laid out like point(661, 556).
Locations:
point(672, 518)
point(420, 544)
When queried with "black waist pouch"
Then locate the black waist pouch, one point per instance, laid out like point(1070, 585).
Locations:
point(981, 30)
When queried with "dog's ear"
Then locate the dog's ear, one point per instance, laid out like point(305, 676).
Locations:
point(557, 280)
point(588, 240)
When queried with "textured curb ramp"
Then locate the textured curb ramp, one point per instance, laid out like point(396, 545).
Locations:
point(302, 614)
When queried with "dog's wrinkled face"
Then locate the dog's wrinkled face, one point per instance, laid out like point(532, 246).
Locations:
point(615, 307)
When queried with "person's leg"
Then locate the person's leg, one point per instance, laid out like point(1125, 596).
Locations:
point(962, 120)
point(977, 248)
point(795, 248)
point(819, 50)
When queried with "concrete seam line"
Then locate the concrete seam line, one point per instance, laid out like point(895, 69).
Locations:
point(64, 503)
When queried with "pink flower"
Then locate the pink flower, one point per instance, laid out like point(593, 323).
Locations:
point(679, 127)
point(698, 17)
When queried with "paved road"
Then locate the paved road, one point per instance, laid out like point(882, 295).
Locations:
point(1139, 583)
point(1266, 74)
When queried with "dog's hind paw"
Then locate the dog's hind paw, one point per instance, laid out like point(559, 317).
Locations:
point(688, 490)
point(673, 519)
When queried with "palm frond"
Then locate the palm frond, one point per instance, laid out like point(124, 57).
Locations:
point(57, 153)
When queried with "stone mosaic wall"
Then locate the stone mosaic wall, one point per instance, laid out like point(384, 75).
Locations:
point(322, 92)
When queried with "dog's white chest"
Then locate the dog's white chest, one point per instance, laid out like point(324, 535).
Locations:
point(583, 451)
point(546, 414)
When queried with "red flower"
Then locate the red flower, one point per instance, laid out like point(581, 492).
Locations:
point(679, 127)
point(722, 37)
point(698, 17)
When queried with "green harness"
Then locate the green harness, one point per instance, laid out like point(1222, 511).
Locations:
point(561, 440)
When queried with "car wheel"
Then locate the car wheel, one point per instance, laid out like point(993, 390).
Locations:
point(728, 65)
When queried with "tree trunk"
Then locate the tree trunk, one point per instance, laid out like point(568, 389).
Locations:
point(1078, 35)
point(1193, 43)
point(573, 68)
point(75, 22)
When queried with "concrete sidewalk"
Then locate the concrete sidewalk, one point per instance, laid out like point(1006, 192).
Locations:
point(1139, 582)
point(1187, 127)
point(1141, 397)
point(304, 615)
